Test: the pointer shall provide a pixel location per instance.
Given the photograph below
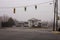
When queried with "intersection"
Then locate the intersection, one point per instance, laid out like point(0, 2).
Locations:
point(28, 34)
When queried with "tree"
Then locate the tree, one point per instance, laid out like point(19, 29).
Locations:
point(11, 22)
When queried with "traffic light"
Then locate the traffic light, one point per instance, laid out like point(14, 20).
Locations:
point(35, 6)
point(14, 10)
point(25, 8)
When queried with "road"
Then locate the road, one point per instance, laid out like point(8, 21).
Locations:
point(27, 34)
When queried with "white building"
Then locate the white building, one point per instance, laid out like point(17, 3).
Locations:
point(33, 22)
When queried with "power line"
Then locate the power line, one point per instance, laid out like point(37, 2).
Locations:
point(28, 5)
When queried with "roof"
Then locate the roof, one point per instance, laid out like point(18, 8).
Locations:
point(34, 19)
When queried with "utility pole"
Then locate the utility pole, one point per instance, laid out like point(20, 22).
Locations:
point(56, 10)
point(55, 24)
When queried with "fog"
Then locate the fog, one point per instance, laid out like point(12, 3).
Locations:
point(44, 12)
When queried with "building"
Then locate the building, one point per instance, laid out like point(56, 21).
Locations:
point(25, 24)
point(44, 24)
point(20, 24)
point(34, 22)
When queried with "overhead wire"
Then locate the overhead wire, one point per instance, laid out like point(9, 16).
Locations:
point(28, 5)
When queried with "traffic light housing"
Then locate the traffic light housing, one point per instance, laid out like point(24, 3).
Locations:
point(14, 10)
point(25, 8)
point(35, 6)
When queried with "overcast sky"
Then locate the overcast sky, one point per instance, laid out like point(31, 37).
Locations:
point(44, 11)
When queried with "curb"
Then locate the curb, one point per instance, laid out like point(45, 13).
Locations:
point(56, 32)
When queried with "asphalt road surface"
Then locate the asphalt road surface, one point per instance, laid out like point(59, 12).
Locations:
point(27, 34)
